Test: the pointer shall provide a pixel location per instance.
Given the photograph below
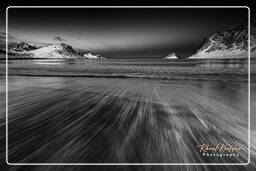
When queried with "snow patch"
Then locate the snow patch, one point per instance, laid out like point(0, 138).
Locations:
point(221, 54)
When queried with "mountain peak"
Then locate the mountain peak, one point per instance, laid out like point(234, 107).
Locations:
point(64, 45)
point(23, 47)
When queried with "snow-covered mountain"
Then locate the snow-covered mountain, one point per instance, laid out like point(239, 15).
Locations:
point(228, 43)
point(23, 47)
point(3, 52)
point(51, 51)
point(172, 56)
point(55, 51)
point(92, 56)
point(253, 39)
point(62, 50)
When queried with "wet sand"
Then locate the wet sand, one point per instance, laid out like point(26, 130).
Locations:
point(104, 120)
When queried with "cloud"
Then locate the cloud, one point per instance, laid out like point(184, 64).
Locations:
point(10, 36)
point(11, 39)
point(58, 38)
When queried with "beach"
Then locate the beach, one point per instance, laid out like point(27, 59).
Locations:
point(108, 119)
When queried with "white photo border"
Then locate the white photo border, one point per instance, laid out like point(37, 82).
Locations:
point(181, 164)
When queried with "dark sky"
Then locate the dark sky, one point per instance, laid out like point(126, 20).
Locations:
point(123, 32)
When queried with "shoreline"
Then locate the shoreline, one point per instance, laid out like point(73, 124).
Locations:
point(198, 77)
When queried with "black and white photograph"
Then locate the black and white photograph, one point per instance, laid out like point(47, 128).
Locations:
point(124, 85)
